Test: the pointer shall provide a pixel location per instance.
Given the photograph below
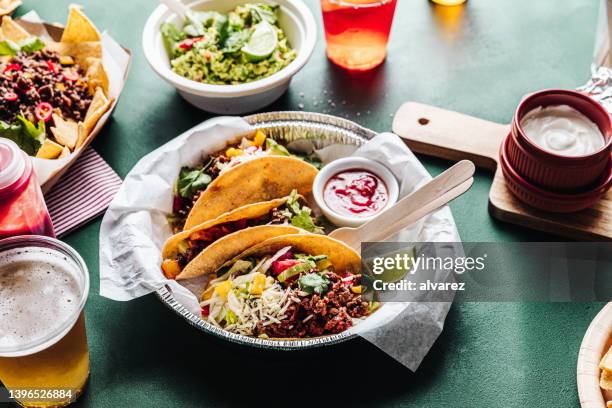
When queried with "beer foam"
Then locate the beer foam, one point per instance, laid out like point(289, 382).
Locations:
point(39, 292)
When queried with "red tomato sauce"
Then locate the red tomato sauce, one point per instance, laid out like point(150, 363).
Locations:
point(356, 193)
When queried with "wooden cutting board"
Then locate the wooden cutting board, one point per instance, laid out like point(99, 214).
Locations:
point(454, 136)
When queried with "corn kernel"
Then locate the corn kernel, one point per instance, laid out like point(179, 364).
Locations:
point(171, 268)
point(223, 289)
point(356, 289)
point(233, 152)
point(260, 138)
point(258, 285)
point(323, 264)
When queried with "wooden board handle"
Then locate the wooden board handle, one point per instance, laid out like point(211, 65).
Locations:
point(449, 135)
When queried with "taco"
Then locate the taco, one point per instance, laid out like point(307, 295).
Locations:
point(191, 253)
point(53, 93)
point(254, 170)
point(291, 286)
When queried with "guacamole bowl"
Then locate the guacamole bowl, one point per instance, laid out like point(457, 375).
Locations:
point(294, 18)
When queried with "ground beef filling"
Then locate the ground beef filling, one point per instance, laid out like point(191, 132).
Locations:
point(29, 79)
point(319, 315)
point(206, 237)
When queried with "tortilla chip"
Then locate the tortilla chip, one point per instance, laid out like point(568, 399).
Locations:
point(99, 105)
point(230, 246)
point(8, 6)
point(79, 51)
point(606, 361)
point(13, 31)
point(605, 381)
point(66, 132)
point(343, 258)
point(79, 28)
point(96, 75)
point(65, 153)
point(261, 179)
point(49, 150)
point(82, 135)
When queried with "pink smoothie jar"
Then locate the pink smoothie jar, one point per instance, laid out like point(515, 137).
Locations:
point(22, 208)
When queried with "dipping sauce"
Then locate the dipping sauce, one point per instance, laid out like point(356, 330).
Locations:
point(356, 193)
point(562, 130)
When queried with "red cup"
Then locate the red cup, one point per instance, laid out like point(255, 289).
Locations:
point(552, 171)
point(546, 200)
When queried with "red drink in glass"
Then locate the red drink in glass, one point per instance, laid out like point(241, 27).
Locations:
point(357, 31)
point(22, 208)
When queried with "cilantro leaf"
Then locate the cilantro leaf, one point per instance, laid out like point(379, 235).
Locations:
point(314, 283)
point(190, 181)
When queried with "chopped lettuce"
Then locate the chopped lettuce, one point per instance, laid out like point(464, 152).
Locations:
point(275, 148)
point(29, 45)
point(28, 136)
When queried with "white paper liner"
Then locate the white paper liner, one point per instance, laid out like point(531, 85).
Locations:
point(116, 62)
point(134, 230)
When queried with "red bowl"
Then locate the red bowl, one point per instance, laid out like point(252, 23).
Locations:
point(546, 200)
point(552, 171)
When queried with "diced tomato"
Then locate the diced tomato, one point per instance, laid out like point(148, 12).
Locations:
point(43, 111)
point(188, 43)
point(286, 255)
point(51, 66)
point(205, 310)
point(280, 266)
point(11, 68)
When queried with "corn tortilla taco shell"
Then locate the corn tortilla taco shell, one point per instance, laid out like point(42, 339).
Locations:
point(213, 257)
point(343, 258)
point(13, 31)
point(256, 180)
point(248, 211)
point(79, 28)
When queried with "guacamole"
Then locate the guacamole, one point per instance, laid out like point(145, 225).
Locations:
point(241, 46)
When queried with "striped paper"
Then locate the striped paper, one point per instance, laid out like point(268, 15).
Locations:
point(83, 193)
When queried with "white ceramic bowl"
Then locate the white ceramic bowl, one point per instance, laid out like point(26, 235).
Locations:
point(295, 19)
point(347, 163)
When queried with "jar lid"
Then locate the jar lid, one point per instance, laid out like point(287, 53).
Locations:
point(12, 163)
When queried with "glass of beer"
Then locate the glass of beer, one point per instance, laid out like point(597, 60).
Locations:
point(44, 358)
point(357, 31)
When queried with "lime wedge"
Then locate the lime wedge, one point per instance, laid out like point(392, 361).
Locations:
point(262, 43)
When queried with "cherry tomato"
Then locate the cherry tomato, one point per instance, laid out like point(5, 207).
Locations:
point(205, 311)
point(43, 111)
point(10, 96)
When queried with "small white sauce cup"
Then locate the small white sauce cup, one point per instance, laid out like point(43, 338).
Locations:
point(349, 163)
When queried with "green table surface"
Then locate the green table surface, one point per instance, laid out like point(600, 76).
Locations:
point(478, 59)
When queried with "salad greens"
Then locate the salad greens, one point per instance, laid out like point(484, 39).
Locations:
point(28, 136)
point(29, 45)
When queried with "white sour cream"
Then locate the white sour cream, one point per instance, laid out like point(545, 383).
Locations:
point(562, 130)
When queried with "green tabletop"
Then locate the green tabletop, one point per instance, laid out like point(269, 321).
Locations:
point(479, 59)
